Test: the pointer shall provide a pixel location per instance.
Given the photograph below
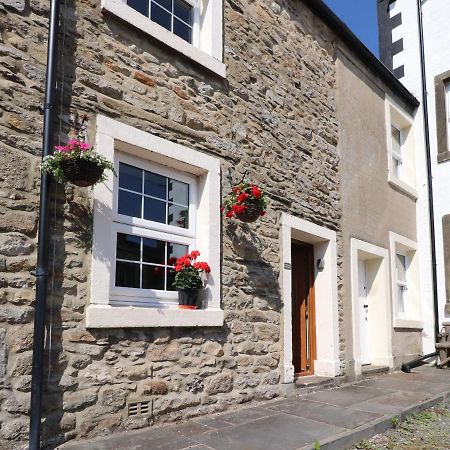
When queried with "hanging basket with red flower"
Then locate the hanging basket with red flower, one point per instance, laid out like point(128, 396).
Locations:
point(78, 163)
point(246, 201)
point(189, 279)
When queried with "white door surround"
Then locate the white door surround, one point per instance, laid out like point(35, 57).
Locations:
point(326, 296)
point(379, 326)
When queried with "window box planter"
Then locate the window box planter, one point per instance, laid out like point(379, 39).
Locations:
point(189, 298)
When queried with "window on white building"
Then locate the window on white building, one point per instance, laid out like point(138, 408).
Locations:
point(447, 110)
point(164, 203)
point(191, 27)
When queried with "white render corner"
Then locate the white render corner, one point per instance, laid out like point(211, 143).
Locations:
point(326, 295)
point(207, 48)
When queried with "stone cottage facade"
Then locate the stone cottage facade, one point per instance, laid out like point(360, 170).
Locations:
point(253, 90)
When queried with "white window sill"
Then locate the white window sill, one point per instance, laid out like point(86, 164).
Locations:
point(407, 323)
point(403, 187)
point(107, 316)
point(126, 13)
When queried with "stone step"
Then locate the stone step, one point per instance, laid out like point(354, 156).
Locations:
point(370, 371)
point(308, 384)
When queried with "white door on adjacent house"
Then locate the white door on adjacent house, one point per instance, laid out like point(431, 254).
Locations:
point(363, 312)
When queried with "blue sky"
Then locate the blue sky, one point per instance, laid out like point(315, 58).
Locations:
point(361, 17)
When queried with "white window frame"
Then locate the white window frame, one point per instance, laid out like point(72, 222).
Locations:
point(149, 229)
point(412, 316)
point(402, 284)
point(207, 41)
point(116, 307)
point(447, 111)
point(405, 179)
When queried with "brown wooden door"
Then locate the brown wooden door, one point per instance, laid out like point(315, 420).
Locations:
point(303, 309)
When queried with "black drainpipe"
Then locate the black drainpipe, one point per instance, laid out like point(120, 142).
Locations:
point(417, 362)
point(42, 246)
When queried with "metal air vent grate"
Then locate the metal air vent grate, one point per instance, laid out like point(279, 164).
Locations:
point(139, 408)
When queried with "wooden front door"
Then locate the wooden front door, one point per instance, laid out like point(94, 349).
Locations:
point(303, 309)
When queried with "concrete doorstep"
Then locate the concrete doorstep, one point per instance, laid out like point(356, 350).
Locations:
point(336, 419)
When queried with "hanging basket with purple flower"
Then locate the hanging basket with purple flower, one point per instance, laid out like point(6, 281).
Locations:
point(77, 163)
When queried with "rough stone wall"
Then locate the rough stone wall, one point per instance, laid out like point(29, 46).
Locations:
point(274, 115)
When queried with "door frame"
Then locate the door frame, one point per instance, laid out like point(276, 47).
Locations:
point(311, 324)
point(380, 320)
point(327, 361)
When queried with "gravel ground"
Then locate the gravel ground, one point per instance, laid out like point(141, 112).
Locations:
point(429, 429)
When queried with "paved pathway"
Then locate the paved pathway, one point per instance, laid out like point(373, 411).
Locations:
point(336, 418)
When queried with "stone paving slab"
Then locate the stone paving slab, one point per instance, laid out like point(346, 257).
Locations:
point(337, 418)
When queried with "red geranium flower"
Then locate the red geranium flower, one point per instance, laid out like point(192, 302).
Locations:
point(256, 191)
point(242, 197)
point(195, 254)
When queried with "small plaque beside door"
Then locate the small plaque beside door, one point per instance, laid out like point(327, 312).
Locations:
point(287, 266)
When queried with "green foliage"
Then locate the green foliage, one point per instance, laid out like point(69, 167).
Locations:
point(188, 278)
point(52, 163)
point(317, 445)
point(395, 422)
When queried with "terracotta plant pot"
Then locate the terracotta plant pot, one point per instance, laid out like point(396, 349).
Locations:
point(188, 298)
point(81, 172)
point(251, 214)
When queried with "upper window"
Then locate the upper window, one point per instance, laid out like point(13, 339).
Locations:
point(396, 151)
point(447, 112)
point(191, 27)
point(174, 15)
point(401, 152)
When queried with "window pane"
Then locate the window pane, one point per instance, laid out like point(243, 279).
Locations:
point(129, 204)
point(396, 140)
point(401, 299)
point(182, 30)
point(139, 5)
point(161, 17)
point(130, 177)
point(165, 3)
point(175, 251)
point(178, 192)
point(127, 274)
point(128, 247)
point(401, 267)
point(183, 11)
point(170, 279)
point(152, 277)
point(155, 185)
point(154, 210)
point(153, 251)
point(178, 216)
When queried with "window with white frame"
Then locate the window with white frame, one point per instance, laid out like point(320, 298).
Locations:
point(396, 151)
point(154, 224)
point(447, 110)
point(405, 282)
point(401, 265)
point(191, 27)
point(164, 203)
point(401, 150)
point(176, 16)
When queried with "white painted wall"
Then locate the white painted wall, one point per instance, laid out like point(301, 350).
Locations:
point(436, 20)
